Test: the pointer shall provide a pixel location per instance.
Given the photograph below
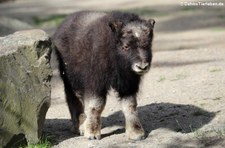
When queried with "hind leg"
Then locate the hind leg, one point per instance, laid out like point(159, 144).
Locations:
point(76, 109)
point(74, 104)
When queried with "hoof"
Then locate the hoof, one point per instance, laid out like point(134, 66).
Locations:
point(74, 130)
point(136, 135)
point(137, 138)
point(94, 137)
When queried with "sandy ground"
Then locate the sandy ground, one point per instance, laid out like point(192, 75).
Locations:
point(182, 98)
point(181, 104)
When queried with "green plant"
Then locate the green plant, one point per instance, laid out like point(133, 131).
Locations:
point(215, 70)
point(210, 132)
point(217, 98)
point(179, 77)
point(218, 29)
point(199, 134)
point(180, 129)
point(43, 143)
point(161, 79)
point(220, 132)
point(222, 16)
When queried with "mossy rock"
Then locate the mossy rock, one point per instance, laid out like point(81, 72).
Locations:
point(25, 75)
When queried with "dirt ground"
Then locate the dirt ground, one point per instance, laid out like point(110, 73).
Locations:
point(181, 104)
point(182, 99)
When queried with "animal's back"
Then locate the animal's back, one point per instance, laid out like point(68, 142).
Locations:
point(75, 26)
point(74, 39)
point(83, 49)
point(78, 24)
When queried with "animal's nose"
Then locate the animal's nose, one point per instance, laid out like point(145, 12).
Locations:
point(142, 66)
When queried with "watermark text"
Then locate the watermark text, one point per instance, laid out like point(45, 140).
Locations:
point(204, 4)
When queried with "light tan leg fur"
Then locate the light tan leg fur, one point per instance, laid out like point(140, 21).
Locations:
point(91, 128)
point(134, 129)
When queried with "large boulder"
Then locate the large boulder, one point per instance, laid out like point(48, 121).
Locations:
point(24, 86)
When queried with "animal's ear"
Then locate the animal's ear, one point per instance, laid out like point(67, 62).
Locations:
point(151, 22)
point(116, 26)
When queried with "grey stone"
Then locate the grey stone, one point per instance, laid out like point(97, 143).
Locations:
point(25, 75)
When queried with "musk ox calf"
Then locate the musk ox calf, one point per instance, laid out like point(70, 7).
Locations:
point(99, 51)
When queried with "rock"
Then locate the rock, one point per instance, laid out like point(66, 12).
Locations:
point(24, 86)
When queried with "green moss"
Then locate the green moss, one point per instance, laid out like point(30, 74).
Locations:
point(218, 29)
point(145, 12)
point(222, 16)
point(189, 8)
point(53, 20)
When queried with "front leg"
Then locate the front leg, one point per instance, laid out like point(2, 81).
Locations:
point(93, 107)
point(134, 128)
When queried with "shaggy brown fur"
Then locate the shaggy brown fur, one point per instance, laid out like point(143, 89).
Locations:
point(101, 50)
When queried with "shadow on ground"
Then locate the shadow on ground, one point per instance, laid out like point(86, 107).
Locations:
point(176, 117)
point(58, 130)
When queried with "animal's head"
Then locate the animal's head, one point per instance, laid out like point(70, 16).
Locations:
point(134, 42)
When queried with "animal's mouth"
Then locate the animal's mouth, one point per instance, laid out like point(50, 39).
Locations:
point(140, 68)
point(141, 72)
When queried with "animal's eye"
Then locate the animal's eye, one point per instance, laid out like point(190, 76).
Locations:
point(125, 47)
point(129, 31)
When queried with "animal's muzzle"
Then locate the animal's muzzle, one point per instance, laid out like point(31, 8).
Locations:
point(140, 67)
